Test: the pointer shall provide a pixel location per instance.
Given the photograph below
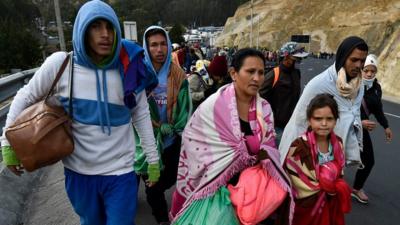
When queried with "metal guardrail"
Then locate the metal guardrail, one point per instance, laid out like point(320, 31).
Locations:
point(9, 86)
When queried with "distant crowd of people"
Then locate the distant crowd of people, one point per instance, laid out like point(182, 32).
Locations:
point(238, 144)
point(323, 55)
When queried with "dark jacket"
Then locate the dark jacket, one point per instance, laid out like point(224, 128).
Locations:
point(284, 95)
point(373, 101)
point(216, 85)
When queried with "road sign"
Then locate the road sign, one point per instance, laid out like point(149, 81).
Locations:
point(301, 38)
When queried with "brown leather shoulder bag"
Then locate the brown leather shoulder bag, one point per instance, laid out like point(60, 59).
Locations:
point(41, 135)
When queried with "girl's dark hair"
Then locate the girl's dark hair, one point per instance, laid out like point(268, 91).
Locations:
point(242, 54)
point(321, 101)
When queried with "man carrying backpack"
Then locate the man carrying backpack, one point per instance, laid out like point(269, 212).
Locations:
point(281, 87)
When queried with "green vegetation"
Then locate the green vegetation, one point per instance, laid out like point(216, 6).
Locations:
point(20, 39)
point(176, 33)
point(189, 13)
point(19, 45)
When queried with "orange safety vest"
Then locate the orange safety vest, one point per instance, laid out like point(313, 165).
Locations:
point(276, 75)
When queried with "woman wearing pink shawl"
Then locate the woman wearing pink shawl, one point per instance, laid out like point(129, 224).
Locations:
point(229, 132)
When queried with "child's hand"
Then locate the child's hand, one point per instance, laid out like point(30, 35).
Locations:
point(368, 124)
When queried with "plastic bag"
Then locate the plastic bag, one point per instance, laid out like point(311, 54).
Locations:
point(214, 210)
point(256, 196)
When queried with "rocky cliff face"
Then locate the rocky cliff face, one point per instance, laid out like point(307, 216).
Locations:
point(327, 22)
point(389, 71)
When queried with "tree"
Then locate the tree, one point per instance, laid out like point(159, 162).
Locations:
point(186, 12)
point(19, 48)
point(176, 33)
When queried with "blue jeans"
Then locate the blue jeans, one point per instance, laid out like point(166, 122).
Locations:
point(102, 200)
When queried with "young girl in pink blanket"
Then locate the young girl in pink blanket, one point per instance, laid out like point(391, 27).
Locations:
point(231, 131)
point(315, 164)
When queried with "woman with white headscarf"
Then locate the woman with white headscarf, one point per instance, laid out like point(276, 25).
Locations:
point(371, 104)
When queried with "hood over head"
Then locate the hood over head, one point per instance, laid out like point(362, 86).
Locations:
point(167, 63)
point(89, 12)
point(346, 48)
point(371, 60)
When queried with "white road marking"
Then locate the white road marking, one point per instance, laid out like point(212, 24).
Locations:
point(389, 114)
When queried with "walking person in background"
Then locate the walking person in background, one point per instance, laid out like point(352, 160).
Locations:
point(190, 59)
point(218, 71)
point(199, 81)
point(174, 54)
point(214, 75)
point(315, 163)
point(281, 87)
point(170, 108)
point(371, 104)
point(231, 131)
point(99, 177)
point(342, 80)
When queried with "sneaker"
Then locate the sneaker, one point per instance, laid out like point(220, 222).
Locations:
point(360, 196)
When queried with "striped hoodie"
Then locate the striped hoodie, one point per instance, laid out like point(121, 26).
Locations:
point(103, 126)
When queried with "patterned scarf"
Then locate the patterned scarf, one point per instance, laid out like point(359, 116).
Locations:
point(347, 89)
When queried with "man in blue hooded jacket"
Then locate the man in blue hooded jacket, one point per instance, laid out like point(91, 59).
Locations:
point(107, 100)
point(170, 109)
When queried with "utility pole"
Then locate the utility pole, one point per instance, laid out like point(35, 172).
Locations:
point(251, 25)
point(59, 25)
point(258, 31)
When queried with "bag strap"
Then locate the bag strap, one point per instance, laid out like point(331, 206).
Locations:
point(58, 76)
point(276, 75)
point(71, 84)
